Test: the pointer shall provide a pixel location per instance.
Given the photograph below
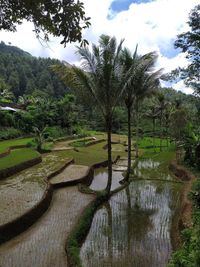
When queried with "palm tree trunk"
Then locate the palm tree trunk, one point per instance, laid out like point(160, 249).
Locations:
point(161, 132)
point(109, 131)
point(137, 133)
point(167, 133)
point(154, 128)
point(129, 144)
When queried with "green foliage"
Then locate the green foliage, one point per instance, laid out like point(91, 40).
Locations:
point(189, 253)
point(24, 74)
point(148, 142)
point(189, 42)
point(59, 18)
point(9, 133)
point(55, 132)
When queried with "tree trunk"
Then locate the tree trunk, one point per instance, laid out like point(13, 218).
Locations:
point(137, 133)
point(129, 144)
point(161, 131)
point(154, 128)
point(109, 129)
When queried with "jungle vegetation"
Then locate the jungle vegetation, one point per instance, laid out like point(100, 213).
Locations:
point(114, 91)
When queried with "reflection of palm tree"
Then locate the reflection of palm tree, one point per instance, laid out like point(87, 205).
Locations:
point(110, 244)
point(138, 218)
point(128, 215)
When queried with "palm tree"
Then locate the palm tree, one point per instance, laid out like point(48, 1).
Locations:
point(162, 104)
point(153, 114)
point(100, 77)
point(139, 79)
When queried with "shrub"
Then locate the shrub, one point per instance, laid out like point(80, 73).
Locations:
point(55, 132)
point(9, 133)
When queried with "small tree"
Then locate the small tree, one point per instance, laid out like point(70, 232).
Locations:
point(39, 138)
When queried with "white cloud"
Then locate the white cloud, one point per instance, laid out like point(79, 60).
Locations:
point(180, 86)
point(170, 64)
point(153, 25)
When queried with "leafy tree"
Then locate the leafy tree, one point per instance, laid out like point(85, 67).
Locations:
point(59, 18)
point(39, 138)
point(189, 43)
point(178, 123)
point(66, 111)
point(101, 78)
point(6, 95)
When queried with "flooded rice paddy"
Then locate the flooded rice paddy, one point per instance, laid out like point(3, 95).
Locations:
point(43, 244)
point(22, 191)
point(134, 227)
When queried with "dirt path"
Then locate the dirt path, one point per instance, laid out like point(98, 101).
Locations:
point(43, 245)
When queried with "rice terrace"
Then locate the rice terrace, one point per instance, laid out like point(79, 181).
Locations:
point(99, 148)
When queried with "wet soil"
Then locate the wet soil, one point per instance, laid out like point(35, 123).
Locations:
point(43, 244)
point(22, 191)
point(70, 173)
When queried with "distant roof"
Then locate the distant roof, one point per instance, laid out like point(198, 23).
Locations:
point(9, 109)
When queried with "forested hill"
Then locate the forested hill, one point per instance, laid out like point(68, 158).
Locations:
point(25, 74)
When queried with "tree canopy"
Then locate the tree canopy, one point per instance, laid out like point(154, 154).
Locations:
point(189, 42)
point(56, 17)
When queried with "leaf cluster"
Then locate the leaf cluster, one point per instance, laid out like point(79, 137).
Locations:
point(60, 18)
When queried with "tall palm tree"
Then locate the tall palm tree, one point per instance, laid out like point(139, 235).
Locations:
point(153, 114)
point(139, 78)
point(162, 105)
point(100, 77)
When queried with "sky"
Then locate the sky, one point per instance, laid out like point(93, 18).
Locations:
point(152, 24)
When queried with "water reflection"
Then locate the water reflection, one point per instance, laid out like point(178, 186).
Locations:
point(133, 228)
point(150, 169)
point(101, 176)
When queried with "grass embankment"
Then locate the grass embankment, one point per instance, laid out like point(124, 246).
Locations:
point(188, 255)
point(4, 145)
point(79, 232)
point(18, 156)
point(153, 144)
point(93, 154)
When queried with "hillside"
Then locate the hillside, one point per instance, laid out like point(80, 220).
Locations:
point(26, 74)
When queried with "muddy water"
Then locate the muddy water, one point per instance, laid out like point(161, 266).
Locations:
point(100, 179)
point(133, 228)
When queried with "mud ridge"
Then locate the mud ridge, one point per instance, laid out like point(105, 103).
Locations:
point(20, 224)
point(184, 219)
point(19, 167)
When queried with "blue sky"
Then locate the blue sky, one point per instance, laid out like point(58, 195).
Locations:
point(121, 5)
point(152, 24)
